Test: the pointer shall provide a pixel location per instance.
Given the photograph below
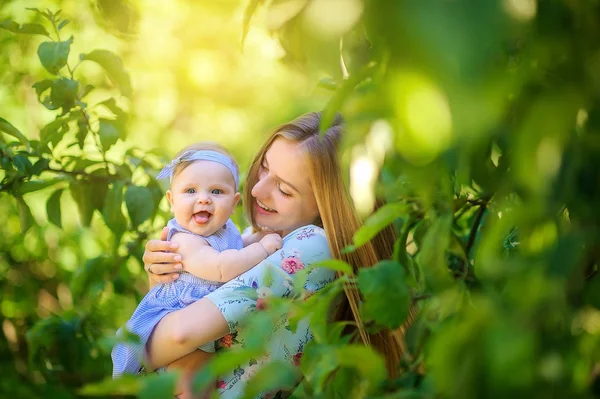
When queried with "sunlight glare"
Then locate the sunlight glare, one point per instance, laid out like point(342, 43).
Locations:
point(521, 10)
point(332, 18)
point(363, 173)
point(425, 115)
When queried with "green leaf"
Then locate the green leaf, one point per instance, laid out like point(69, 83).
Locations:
point(99, 192)
point(82, 131)
point(248, 13)
point(86, 90)
point(334, 105)
point(9, 129)
point(33, 29)
point(45, 14)
point(126, 385)
point(63, 24)
point(113, 66)
point(64, 94)
point(40, 165)
point(112, 212)
point(318, 362)
point(382, 285)
point(9, 25)
point(54, 55)
point(328, 83)
point(41, 86)
point(22, 163)
point(27, 29)
point(138, 205)
point(335, 264)
point(85, 276)
point(272, 377)
point(81, 191)
point(378, 221)
point(369, 363)
point(25, 215)
point(36, 185)
point(54, 131)
point(53, 208)
point(109, 134)
point(158, 386)
point(120, 115)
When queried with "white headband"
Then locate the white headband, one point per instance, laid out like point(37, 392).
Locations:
point(202, 155)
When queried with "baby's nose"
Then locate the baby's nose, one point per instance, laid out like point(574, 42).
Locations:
point(203, 198)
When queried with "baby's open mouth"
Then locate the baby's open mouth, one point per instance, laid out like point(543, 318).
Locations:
point(201, 217)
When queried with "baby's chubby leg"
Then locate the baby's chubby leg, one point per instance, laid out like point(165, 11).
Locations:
point(188, 366)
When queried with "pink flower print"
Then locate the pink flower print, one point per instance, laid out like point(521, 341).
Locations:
point(296, 359)
point(291, 265)
point(226, 341)
point(261, 304)
point(221, 384)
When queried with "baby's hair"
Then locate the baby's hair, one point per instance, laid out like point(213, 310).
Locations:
point(202, 146)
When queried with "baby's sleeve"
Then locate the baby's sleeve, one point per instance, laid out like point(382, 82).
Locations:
point(241, 296)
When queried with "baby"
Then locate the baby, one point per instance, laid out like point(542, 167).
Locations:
point(203, 195)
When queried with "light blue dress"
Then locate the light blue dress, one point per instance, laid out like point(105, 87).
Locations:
point(163, 299)
point(242, 296)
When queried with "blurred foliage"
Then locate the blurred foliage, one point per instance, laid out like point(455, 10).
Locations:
point(479, 122)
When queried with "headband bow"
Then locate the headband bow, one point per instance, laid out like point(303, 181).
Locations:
point(201, 155)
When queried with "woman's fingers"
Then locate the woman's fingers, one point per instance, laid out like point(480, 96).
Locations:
point(160, 245)
point(163, 268)
point(160, 257)
point(163, 278)
point(161, 264)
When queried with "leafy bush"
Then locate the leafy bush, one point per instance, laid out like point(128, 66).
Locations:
point(478, 122)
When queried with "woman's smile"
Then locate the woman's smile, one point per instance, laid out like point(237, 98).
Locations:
point(262, 208)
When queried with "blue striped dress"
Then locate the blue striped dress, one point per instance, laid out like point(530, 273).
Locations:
point(163, 299)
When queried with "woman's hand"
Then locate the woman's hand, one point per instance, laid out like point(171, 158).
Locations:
point(160, 263)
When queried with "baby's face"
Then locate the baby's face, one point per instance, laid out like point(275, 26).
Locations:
point(203, 197)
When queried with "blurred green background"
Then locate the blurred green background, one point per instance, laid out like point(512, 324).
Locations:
point(477, 121)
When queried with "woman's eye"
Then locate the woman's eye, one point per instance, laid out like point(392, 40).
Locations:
point(216, 191)
point(283, 192)
point(190, 190)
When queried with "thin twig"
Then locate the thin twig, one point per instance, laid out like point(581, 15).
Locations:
point(345, 73)
point(83, 173)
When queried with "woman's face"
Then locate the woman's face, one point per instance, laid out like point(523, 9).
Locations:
point(284, 198)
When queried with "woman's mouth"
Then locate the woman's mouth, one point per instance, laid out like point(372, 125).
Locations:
point(201, 217)
point(263, 209)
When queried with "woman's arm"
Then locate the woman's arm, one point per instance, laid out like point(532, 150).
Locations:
point(219, 313)
point(171, 339)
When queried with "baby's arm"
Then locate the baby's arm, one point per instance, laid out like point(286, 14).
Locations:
point(201, 260)
point(248, 237)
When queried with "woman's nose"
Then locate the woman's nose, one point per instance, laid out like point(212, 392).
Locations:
point(259, 190)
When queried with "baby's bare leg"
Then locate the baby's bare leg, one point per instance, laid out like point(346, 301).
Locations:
point(188, 366)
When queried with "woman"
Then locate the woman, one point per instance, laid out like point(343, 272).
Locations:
point(294, 187)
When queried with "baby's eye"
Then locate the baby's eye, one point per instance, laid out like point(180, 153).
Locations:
point(217, 191)
point(190, 190)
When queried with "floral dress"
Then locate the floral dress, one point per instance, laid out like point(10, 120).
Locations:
point(271, 277)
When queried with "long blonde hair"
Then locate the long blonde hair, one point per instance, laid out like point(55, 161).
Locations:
point(338, 218)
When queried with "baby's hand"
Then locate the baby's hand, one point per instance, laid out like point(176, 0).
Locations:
point(271, 243)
